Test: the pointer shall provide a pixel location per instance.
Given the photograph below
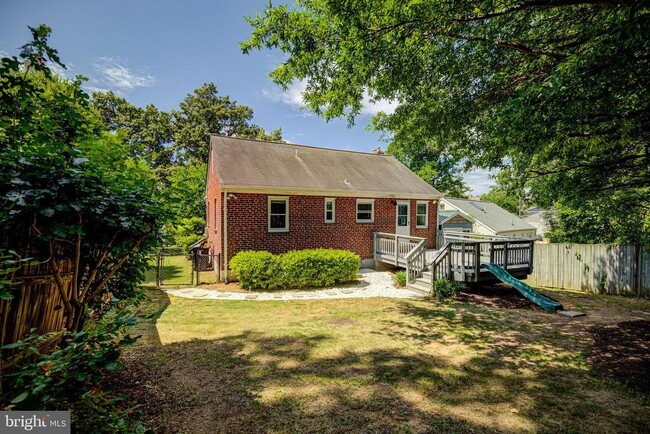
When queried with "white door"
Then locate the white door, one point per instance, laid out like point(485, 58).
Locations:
point(403, 224)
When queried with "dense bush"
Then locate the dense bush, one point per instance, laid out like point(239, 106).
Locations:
point(256, 269)
point(443, 288)
point(68, 378)
point(295, 269)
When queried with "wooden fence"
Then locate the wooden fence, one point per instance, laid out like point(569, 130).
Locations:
point(37, 304)
point(603, 268)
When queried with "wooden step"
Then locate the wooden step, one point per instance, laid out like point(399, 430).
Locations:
point(419, 288)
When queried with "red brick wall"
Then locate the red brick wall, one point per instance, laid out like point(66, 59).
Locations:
point(248, 224)
point(214, 226)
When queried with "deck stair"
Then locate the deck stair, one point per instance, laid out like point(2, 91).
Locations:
point(463, 258)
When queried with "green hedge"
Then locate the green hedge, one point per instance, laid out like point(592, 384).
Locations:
point(295, 269)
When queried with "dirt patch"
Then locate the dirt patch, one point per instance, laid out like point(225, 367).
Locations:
point(341, 321)
point(502, 296)
point(622, 351)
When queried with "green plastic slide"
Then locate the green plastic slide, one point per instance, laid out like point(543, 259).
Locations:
point(544, 302)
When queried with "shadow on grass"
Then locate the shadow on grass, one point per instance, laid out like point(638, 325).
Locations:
point(255, 383)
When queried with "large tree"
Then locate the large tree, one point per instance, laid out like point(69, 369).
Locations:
point(204, 112)
point(559, 89)
point(70, 192)
point(147, 130)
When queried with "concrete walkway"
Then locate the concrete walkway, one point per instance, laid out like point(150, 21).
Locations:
point(372, 284)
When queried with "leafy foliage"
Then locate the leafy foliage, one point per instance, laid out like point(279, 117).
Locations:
point(204, 112)
point(69, 190)
point(443, 288)
point(295, 269)
point(400, 278)
point(508, 192)
point(559, 90)
point(441, 171)
point(148, 131)
point(257, 269)
point(69, 377)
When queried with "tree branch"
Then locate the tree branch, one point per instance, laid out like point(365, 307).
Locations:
point(59, 282)
point(540, 4)
point(115, 267)
point(98, 264)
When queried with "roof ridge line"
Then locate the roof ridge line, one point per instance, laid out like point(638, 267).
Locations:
point(300, 145)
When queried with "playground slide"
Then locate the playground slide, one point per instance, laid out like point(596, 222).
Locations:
point(545, 303)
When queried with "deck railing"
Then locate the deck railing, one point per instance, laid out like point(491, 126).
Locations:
point(461, 260)
point(416, 261)
point(393, 247)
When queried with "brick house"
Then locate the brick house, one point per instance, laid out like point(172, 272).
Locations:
point(279, 197)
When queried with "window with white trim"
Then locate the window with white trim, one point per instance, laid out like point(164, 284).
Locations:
point(365, 211)
point(330, 211)
point(422, 215)
point(278, 214)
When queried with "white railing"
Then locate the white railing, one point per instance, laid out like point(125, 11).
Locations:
point(394, 246)
point(465, 257)
point(416, 261)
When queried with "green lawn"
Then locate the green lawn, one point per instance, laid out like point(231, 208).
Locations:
point(377, 365)
point(176, 271)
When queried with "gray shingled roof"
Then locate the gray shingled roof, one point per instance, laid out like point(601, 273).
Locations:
point(489, 214)
point(249, 164)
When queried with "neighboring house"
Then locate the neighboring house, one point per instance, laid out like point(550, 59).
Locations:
point(453, 220)
point(279, 197)
point(488, 218)
point(536, 216)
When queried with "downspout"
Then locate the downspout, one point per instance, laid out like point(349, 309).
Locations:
point(225, 235)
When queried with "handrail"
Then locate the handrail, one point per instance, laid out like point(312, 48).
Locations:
point(474, 237)
point(419, 245)
point(415, 260)
point(401, 236)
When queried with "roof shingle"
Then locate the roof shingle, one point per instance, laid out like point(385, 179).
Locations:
point(250, 164)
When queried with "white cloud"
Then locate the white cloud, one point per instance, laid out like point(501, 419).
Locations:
point(116, 74)
point(67, 73)
point(371, 106)
point(91, 89)
point(293, 96)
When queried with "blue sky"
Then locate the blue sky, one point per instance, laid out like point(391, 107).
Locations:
point(158, 51)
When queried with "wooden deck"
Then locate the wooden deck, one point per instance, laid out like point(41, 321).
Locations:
point(461, 259)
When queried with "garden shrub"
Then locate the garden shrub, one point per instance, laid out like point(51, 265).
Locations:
point(69, 377)
point(318, 267)
point(400, 278)
point(257, 269)
point(443, 288)
point(294, 269)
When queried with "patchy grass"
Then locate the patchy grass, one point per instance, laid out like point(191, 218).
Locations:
point(378, 365)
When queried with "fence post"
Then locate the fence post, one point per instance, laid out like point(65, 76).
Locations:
point(158, 268)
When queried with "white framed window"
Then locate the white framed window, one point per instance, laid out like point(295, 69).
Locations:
point(278, 214)
point(330, 210)
point(365, 211)
point(422, 215)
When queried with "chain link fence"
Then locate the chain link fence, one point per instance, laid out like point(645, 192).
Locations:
point(176, 269)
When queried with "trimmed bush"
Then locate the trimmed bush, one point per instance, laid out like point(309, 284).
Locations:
point(257, 269)
point(443, 288)
point(295, 269)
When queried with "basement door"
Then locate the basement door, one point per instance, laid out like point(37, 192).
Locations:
point(403, 224)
